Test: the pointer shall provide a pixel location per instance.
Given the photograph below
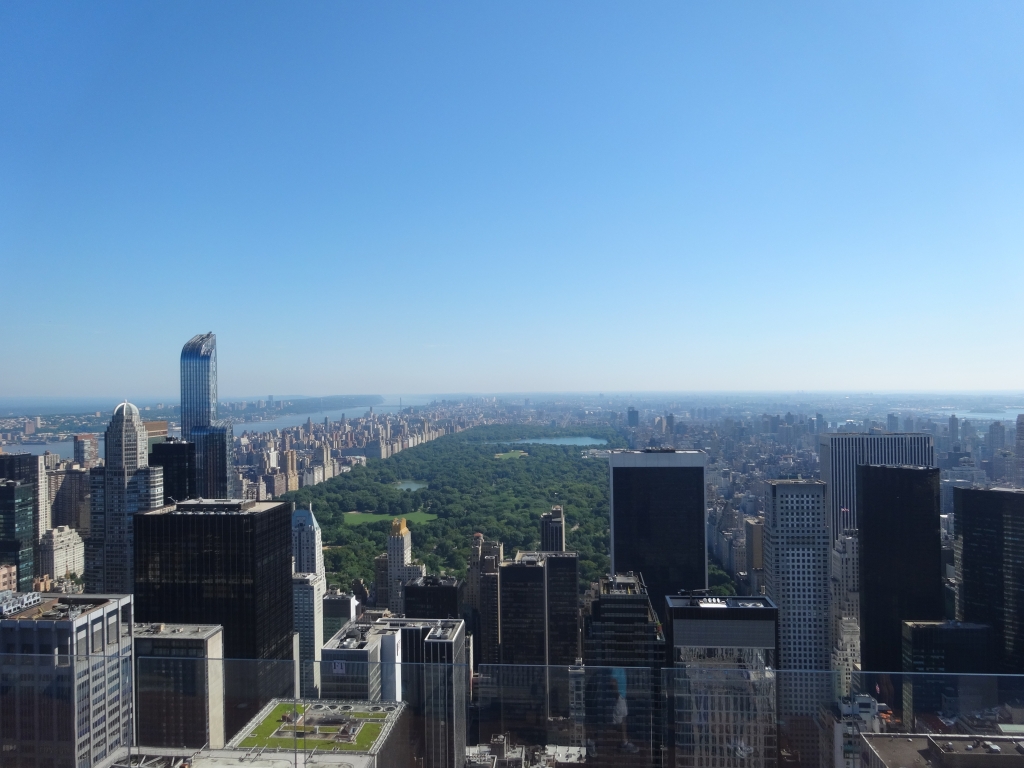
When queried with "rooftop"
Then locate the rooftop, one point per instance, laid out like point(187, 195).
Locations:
point(182, 631)
point(215, 506)
point(325, 725)
point(909, 750)
point(48, 606)
point(699, 600)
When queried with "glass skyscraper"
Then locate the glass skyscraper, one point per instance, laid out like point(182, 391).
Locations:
point(198, 383)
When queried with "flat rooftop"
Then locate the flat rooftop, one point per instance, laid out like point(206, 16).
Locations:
point(215, 506)
point(712, 601)
point(177, 631)
point(907, 750)
point(49, 606)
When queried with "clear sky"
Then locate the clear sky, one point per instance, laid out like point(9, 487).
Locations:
point(437, 197)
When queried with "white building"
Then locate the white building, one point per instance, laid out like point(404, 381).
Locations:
point(841, 725)
point(308, 591)
point(126, 484)
point(796, 578)
point(842, 453)
point(844, 586)
point(61, 553)
point(401, 568)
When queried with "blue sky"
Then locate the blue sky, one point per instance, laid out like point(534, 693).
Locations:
point(509, 197)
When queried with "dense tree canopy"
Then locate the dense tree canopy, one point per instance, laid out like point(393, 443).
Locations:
point(470, 491)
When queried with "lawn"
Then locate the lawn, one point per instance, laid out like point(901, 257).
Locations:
point(511, 455)
point(360, 518)
point(262, 735)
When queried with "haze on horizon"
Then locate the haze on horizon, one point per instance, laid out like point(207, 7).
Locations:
point(497, 198)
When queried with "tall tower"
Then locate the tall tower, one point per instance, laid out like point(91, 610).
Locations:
point(900, 559)
point(309, 586)
point(198, 383)
point(796, 578)
point(552, 530)
point(954, 429)
point(124, 485)
point(401, 568)
point(658, 518)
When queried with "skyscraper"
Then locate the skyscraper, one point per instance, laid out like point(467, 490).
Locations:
point(401, 567)
point(621, 628)
point(721, 685)
point(900, 558)
point(658, 518)
point(199, 424)
point(434, 597)
point(892, 423)
point(17, 538)
point(796, 578)
point(309, 586)
point(178, 459)
point(198, 383)
point(552, 530)
point(122, 487)
point(996, 437)
point(87, 453)
point(30, 469)
point(842, 452)
point(539, 608)
point(954, 429)
point(989, 558)
point(228, 563)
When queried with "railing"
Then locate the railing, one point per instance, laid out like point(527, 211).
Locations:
point(57, 711)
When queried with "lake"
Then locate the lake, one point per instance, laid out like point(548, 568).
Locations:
point(409, 485)
point(563, 441)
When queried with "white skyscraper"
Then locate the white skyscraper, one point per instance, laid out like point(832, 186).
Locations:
point(400, 565)
point(126, 484)
point(61, 553)
point(796, 578)
point(840, 455)
point(309, 585)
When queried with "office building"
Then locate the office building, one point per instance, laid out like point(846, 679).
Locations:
point(339, 609)
point(796, 578)
point(307, 543)
point(950, 661)
point(30, 469)
point(539, 608)
point(400, 565)
point(70, 702)
point(996, 437)
point(658, 519)
point(87, 451)
point(434, 597)
point(225, 562)
point(156, 433)
point(844, 617)
point(721, 686)
point(620, 628)
point(445, 682)
point(363, 660)
point(841, 723)
point(954, 429)
point(892, 423)
point(632, 417)
point(753, 529)
point(61, 553)
point(178, 459)
point(198, 384)
point(988, 546)
point(840, 455)
point(214, 462)
point(552, 530)
point(308, 602)
point(124, 486)
point(481, 598)
point(69, 488)
point(179, 681)
point(17, 535)
point(900, 559)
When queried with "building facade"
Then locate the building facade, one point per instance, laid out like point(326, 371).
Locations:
point(552, 530)
point(178, 459)
point(17, 533)
point(658, 516)
point(62, 553)
point(124, 486)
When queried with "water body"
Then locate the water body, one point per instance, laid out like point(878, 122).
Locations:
point(296, 419)
point(409, 485)
point(65, 448)
point(563, 441)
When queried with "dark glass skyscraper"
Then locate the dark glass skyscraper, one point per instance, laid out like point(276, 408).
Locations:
point(178, 459)
point(539, 608)
point(434, 597)
point(989, 556)
point(198, 383)
point(900, 558)
point(213, 439)
point(227, 563)
point(17, 538)
point(657, 519)
point(552, 530)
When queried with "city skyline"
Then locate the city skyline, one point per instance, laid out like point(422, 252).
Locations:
point(496, 198)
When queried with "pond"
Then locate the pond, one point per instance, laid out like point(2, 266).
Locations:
point(564, 441)
point(409, 485)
